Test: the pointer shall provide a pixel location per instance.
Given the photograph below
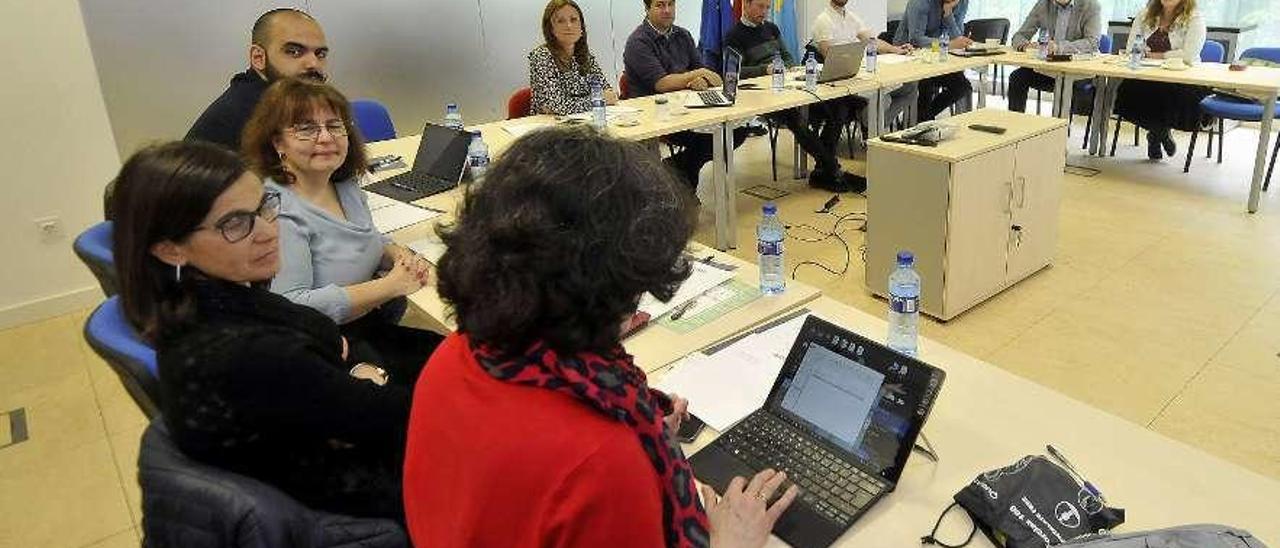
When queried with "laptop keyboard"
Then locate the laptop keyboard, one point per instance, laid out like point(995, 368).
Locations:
point(831, 486)
point(421, 182)
point(712, 98)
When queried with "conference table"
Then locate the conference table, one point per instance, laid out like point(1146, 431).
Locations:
point(1109, 71)
point(986, 418)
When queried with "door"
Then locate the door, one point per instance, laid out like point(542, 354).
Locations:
point(1037, 192)
point(977, 229)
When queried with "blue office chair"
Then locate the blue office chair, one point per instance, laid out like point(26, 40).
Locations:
point(373, 120)
point(114, 339)
point(1224, 107)
point(93, 246)
point(1211, 52)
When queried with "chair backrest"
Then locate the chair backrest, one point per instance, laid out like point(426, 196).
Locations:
point(373, 120)
point(520, 104)
point(1104, 43)
point(624, 90)
point(1265, 54)
point(1212, 52)
point(94, 248)
point(113, 338)
point(982, 29)
point(191, 504)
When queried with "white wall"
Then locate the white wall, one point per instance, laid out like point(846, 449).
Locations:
point(58, 154)
point(872, 12)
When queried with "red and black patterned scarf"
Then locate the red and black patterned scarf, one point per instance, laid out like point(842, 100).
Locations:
point(613, 385)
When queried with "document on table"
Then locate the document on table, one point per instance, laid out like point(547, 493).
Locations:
point(724, 387)
point(519, 129)
point(894, 58)
point(704, 277)
point(431, 248)
point(392, 215)
point(611, 113)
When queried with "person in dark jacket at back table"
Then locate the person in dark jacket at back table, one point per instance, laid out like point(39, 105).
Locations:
point(285, 43)
point(759, 41)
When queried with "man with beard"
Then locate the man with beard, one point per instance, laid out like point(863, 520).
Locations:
point(285, 43)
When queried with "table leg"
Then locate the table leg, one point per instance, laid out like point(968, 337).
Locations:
point(982, 85)
point(1103, 121)
point(1099, 94)
point(875, 118)
point(1062, 99)
point(730, 187)
point(718, 182)
point(1260, 160)
point(800, 160)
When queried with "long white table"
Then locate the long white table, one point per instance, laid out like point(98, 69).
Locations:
point(986, 418)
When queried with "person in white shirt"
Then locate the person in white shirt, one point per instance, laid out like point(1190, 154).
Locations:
point(838, 25)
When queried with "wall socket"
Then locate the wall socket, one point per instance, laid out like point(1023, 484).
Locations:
point(50, 229)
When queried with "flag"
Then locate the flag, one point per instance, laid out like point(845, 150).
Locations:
point(717, 19)
point(783, 14)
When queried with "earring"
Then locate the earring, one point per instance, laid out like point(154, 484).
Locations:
point(177, 273)
point(281, 157)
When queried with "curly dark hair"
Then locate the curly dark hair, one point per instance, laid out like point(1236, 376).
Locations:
point(562, 237)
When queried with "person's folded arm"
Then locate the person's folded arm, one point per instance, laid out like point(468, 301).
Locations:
point(1092, 24)
point(1030, 26)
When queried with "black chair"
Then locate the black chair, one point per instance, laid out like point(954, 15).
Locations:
point(982, 29)
point(192, 505)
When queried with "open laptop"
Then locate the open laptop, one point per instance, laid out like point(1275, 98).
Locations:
point(841, 420)
point(720, 97)
point(438, 166)
point(843, 61)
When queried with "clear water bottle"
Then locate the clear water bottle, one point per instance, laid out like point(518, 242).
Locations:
point(769, 235)
point(1042, 45)
point(452, 118)
point(810, 72)
point(1135, 51)
point(872, 53)
point(478, 156)
point(599, 116)
point(944, 47)
point(778, 70)
point(904, 306)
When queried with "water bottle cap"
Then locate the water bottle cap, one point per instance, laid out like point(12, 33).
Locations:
point(770, 208)
point(451, 106)
point(475, 134)
point(905, 258)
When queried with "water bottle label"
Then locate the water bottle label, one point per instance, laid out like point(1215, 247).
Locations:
point(769, 248)
point(904, 305)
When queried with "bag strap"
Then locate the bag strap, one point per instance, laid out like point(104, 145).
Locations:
point(929, 539)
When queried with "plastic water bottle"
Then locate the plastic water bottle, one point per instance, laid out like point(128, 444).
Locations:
point(452, 118)
point(810, 73)
point(769, 235)
point(478, 156)
point(1135, 51)
point(904, 306)
point(599, 116)
point(1042, 46)
point(944, 47)
point(870, 57)
point(779, 71)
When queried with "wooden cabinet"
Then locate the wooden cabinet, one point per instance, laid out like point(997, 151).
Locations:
point(979, 211)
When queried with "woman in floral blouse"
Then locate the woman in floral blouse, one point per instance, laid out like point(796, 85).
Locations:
point(562, 69)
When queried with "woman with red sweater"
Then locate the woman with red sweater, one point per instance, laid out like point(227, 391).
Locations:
point(531, 426)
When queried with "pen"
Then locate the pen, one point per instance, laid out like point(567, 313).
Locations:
point(680, 310)
point(1063, 460)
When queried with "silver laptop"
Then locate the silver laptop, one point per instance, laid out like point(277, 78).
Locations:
point(843, 61)
point(720, 97)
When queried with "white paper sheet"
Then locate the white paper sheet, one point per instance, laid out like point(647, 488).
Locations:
point(704, 277)
point(612, 112)
point(519, 129)
point(431, 248)
point(392, 215)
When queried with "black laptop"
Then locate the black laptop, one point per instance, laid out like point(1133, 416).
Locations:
point(726, 96)
point(841, 420)
point(438, 166)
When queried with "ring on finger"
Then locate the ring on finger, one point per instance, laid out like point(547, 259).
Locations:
point(760, 495)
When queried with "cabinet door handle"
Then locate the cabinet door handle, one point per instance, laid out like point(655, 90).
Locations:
point(1017, 235)
point(1022, 192)
point(1008, 197)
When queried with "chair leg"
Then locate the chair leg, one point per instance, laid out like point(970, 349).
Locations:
point(1088, 124)
point(1115, 137)
point(1266, 183)
point(773, 151)
point(1191, 148)
point(1135, 135)
point(1038, 100)
point(1222, 124)
point(1208, 149)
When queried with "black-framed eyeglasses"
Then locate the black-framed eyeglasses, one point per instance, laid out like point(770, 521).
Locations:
point(311, 132)
point(238, 225)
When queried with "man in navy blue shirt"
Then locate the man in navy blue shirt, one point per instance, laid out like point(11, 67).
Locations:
point(661, 57)
point(923, 22)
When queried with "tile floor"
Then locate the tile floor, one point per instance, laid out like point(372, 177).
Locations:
point(1163, 307)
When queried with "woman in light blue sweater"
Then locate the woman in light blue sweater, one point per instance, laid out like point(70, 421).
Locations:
point(302, 142)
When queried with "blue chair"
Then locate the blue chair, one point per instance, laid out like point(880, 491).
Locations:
point(1227, 107)
point(94, 246)
point(373, 120)
point(113, 338)
point(1211, 52)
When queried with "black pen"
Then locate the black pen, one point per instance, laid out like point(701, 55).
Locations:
point(680, 310)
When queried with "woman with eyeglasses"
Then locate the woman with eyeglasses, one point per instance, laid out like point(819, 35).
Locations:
point(250, 382)
point(300, 139)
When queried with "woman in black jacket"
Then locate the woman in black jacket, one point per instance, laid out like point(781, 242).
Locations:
point(250, 381)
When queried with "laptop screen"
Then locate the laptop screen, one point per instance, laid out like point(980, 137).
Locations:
point(859, 396)
point(732, 72)
point(442, 152)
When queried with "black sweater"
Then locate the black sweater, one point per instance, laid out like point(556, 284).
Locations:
point(226, 116)
point(258, 386)
point(757, 45)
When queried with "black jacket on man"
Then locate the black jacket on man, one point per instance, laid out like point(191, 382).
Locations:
point(224, 119)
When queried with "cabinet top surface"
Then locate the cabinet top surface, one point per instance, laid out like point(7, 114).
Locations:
point(968, 142)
